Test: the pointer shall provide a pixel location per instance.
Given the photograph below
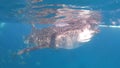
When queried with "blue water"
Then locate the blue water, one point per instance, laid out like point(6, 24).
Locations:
point(103, 51)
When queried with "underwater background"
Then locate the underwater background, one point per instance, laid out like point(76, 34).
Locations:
point(103, 51)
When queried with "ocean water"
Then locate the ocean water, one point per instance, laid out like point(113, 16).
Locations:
point(103, 51)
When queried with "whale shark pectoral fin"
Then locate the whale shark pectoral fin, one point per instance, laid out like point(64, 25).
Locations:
point(20, 52)
point(30, 49)
point(23, 51)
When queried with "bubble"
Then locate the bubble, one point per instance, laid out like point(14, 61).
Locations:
point(2, 25)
